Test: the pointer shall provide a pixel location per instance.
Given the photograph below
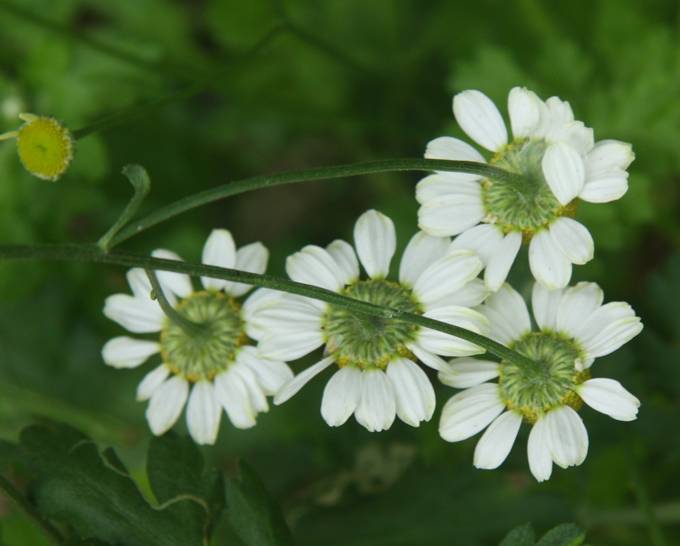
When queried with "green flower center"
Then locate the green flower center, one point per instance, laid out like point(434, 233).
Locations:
point(45, 147)
point(365, 341)
point(526, 208)
point(552, 383)
point(214, 348)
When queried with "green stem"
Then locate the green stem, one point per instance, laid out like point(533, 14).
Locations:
point(190, 327)
point(307, 175)
point(30, 511)
point(92, 254)
point(646, 507)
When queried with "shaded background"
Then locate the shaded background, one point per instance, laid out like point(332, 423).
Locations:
point(346, 81)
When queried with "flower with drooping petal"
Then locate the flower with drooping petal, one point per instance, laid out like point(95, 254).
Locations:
point(217, 368)
point(574, 328)
point(378, 377)
point(558, 162)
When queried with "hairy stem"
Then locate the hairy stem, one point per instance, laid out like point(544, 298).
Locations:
point(93, 254)
point(307, 175)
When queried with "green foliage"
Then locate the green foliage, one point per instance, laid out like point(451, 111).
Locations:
point(566, 534)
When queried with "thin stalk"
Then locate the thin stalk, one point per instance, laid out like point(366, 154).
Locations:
point(16, 496)
point(307, 175)
point(92, 254)
point(189, 326)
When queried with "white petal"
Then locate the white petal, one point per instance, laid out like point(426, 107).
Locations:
point(608, 328)
point(177, 283)
point(346, 259)
point(256, 395)
point(524, 110)
point(470, 295)
point(140, 284)
point(607, 157)
point(508, 315)
point(609, 397)
point(545, 303)
point(341, 396)
point(376, 240)
point(291, 388)
point(252, 258)
point(219, 250)
point(232, 394)
point(483, 239)
point(290, 345)
point(134, 314)
point(606, 189)
point(446, 276)
point(377, 407)
point(420, 252)
point(451, 215)
point(203, 413)
point(435, 187)
point(151, 382)
point(538, 451)
point(166, 404)
point(576, 305)
point(496, 442)
point(547, 262)
point(574, 239)
point(468, 412)
point(453, 149)
point(426, 357)
point(412, 390)
point(568, 437)
point(463, 373)
point(271, 374)
point(313, 265)
point(478, 116)
point(564, 171)
point(499, 264)
point(127, 352)
point(444, 344)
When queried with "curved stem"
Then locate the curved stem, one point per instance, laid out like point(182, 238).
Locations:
point(307, 175)
point(190, 327)
point(91, 253)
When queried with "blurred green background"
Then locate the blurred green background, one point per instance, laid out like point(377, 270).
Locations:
point(345, 81)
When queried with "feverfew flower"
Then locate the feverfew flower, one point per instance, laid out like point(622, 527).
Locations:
point(378, 377)
point(558, 161)
point(218, 367)
point(574, 328)
point(44, 145)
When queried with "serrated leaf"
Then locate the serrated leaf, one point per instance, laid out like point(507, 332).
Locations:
point(176, 470)
point(566, 534)
point(254, 516)
point(92, 492)
point(520, 536)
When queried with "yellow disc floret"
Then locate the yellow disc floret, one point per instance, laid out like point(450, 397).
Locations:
point(45, 146)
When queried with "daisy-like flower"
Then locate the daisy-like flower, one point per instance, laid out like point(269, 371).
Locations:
point(574, 328)
point(378, 377)
point(558, 162)
point(218, 366)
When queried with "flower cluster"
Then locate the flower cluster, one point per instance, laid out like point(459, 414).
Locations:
point(237, 351)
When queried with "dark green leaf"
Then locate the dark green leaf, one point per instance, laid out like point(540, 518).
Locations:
point(566, 534)
point(520, 536)
point(253, 515)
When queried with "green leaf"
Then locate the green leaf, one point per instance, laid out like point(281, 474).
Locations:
point(92, 492)
point(176, 470)
point(520, 536)
point(253, 515)
point(566, 534)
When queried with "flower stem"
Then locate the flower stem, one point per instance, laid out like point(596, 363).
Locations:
point(189, 326)
point(93, 254)
point(307, 175)
point(26, 506)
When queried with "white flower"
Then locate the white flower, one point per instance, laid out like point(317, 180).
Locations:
point(378, 377)
point(574, 328)
point(213, 370)
point(558, 162)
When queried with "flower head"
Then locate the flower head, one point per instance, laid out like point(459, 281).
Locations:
point(574, 328)
point(558, 162)
point(215, 368)
point(45, 146)
point(378, 377)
